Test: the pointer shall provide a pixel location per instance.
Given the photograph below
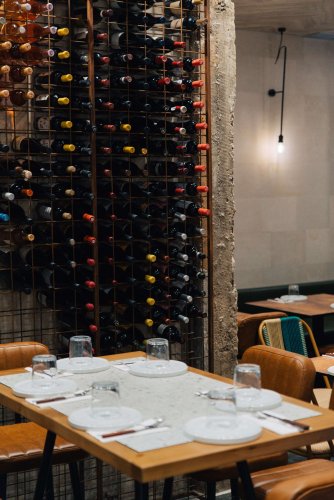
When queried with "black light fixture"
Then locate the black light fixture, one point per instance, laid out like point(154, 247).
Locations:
point(273, 92)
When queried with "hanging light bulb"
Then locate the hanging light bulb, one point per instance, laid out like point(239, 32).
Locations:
point(280, 144)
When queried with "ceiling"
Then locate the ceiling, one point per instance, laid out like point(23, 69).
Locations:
point(299, 17)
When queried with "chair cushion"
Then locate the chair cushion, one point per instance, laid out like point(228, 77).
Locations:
point(19, 354)
point(284, 483)
point(22, 447)
point(231, 472)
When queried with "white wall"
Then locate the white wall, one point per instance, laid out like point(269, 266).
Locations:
point(284, 226)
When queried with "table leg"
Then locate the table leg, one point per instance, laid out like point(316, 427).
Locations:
point(141, 491)
point(246, 480)
point(45, 465)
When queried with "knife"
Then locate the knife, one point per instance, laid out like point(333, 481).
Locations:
point(298, 425)
point(147, 424)
point(60, 398)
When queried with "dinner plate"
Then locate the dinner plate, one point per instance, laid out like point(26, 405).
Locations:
point(158, 368)
point(293, 298)
point(211, 429)
point(124, 417)
point(265, 401)
point(93, 366)
point(28, 389)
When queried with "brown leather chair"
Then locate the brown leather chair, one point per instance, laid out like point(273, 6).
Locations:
point(22, 444)
point(308, 480)
point(278, 368)
point(248, 326)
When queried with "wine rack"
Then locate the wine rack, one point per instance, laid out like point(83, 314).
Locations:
point(104, 173)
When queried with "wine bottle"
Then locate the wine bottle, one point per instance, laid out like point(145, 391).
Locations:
point(185, 85)
point(190, 208)
point(60, 55)
point(187, 127)
point(154, 82)
point(18, 74)
point(100, 103)
point(176, 7)
point(119, 230)
point(52, 212)
point(83, 233)
point(44, 255)
point(101, 82)
point(99, 14)
point(169, 332)
point(120, 58)
point(63, 299)
point(100, 59)
point(193, 252)
point(178, 290)
point(168, 44)
point(71, 321)
point(81, 81)
point(52, 123)
point(14, 168)
point(51, 100)
point(186, 23)
point(44, 80)
point(12, 31)
point(122, 40)
point(13, 212)
point(81, 103)
point(16, 236)
point(189, 188)
point(17, 9)
point(18, 97)
point(38, 9)
point(21, 189)
point(81, 35)
point(167, 168)
point(35, 31)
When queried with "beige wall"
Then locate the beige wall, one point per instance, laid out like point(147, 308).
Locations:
point(284, 226)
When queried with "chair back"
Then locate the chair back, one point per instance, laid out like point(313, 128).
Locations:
point(19, 354)
point(248, 329)
point(290, 333)
point(286, 372)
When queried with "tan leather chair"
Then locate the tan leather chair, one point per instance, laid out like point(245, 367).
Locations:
point(248, 326)
point(308, 480)
point(22, 444)
point(278, 368)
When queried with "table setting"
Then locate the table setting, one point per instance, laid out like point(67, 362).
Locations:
point(152, 402)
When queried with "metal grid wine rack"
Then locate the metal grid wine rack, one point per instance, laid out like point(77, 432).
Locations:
point(103, 170)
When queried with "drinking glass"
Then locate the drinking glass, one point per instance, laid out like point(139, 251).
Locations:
point(222, 410)
point(157, 350)
point(293, 289)
point(247, 384)
point(105, 401)
point(44, 369)
point(80, 351)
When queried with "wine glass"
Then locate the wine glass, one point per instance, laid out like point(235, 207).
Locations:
point(44, 369)
point(80, 351)
point(247, 384)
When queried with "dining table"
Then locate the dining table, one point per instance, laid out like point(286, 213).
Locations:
point(174, 399)
point(313, 309)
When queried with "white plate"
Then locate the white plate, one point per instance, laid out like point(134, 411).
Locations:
point(93, 366)
point(209, 430)
point(124, 417)
point(158, 369)
point(331, 370)
point(26, 389)
point(293, 298)
point(266, 401)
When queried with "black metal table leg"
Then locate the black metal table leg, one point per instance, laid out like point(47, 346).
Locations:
point(246, 480)
point(141, 491)
point(45, 465)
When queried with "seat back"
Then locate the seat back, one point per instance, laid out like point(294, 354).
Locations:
point(286, 372)
point(19, 354)
point(248, 329)
point(290, 333)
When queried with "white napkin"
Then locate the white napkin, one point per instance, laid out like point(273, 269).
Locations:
point(51, 403)
point(271, 424)
point(98, 434)
point(154, 440)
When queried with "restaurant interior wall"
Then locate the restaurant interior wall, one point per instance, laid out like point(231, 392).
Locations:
point(284, 226)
